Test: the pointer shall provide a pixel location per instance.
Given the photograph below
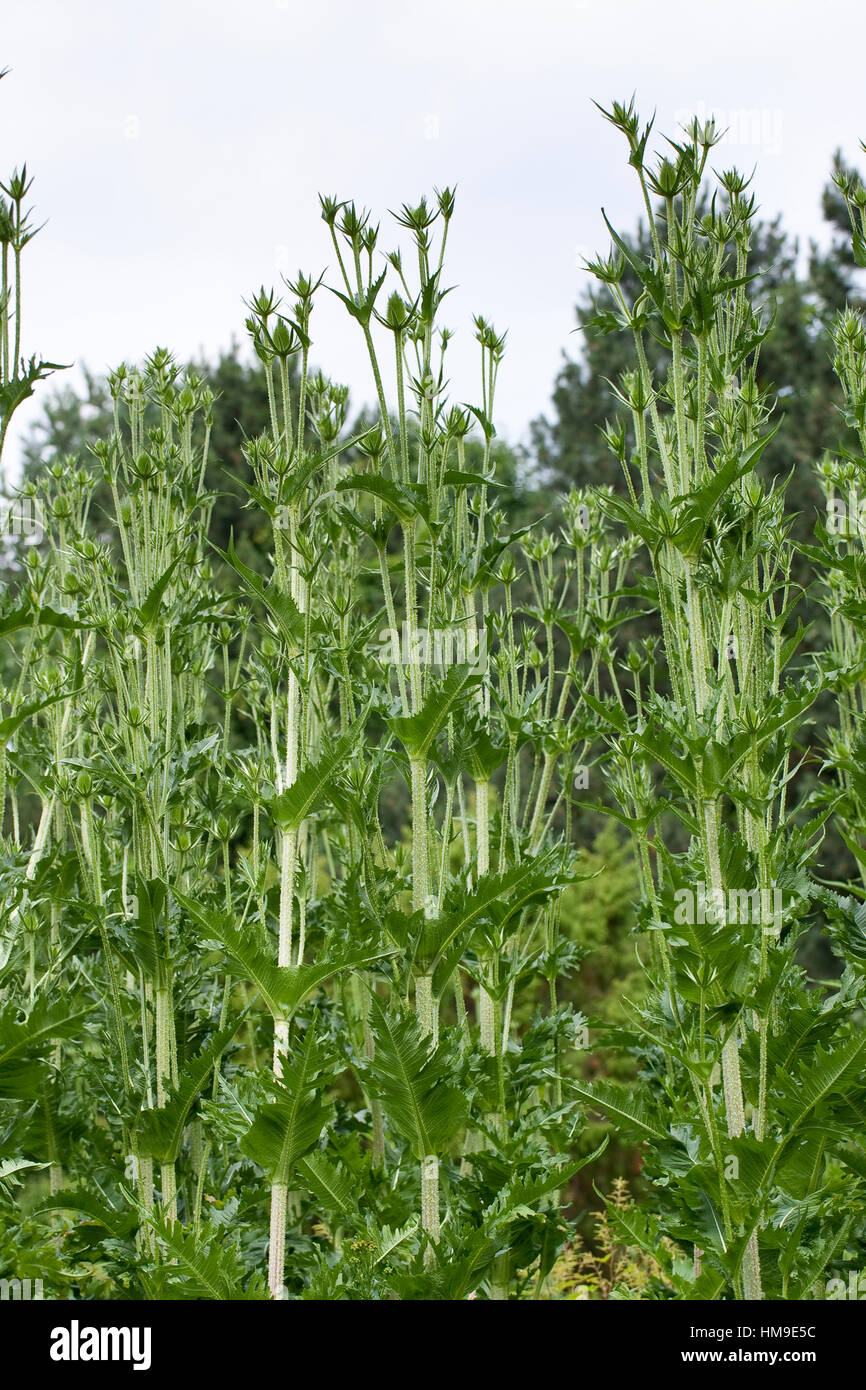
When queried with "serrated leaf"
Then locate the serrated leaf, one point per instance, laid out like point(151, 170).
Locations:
point(327, 1182)
point(297, 802)
point(282, 607)
point(413, 1082)
point(289, 1126)
point(160, 1132)
point(624, 1108)
point(417, 731)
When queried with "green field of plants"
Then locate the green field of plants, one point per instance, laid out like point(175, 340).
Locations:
point(423, 877)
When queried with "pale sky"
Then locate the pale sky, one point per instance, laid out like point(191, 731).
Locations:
point(179, 147)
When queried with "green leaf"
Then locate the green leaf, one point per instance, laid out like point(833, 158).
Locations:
point(522, 1193)
point(160, 1132)
point(827, 1248)
point(11, 1167)
point(149, 610)
point(453, 477)
point(119, 1224)
point(416, 732)
point(200, 1268)
point(243, 956)
point(362, 311)
point(24, 1043)
point(695, 509)
point(14, 721)
point(35, 617)
point(293, 805)
point(509, 892)
point(147, 934)
point(284, 988)
point(413, 1082)
point(289, 1126)
point(282, 607)
point(827, 1073)
point(327, 1182)
point(400, 499)
point(624, 1108)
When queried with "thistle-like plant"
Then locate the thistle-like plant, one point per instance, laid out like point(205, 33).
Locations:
point(749, 1079)
point(18, 376)
point(285, 832)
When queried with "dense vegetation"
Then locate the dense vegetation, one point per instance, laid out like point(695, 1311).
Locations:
point(397, 854)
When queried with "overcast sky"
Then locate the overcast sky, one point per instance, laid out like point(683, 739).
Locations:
point(179, 147)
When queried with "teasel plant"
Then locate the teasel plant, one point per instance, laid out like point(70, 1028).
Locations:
point(196, 760)
point(140, 773)
point(748, 1076)
point(313, 723)
point(838, 556)
point(840, 563)
point(397, 508)
point(285, 835)
point(125, 672)
point(51, 660)
point(18, 376)
point(207, 861)
point(479, 712)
